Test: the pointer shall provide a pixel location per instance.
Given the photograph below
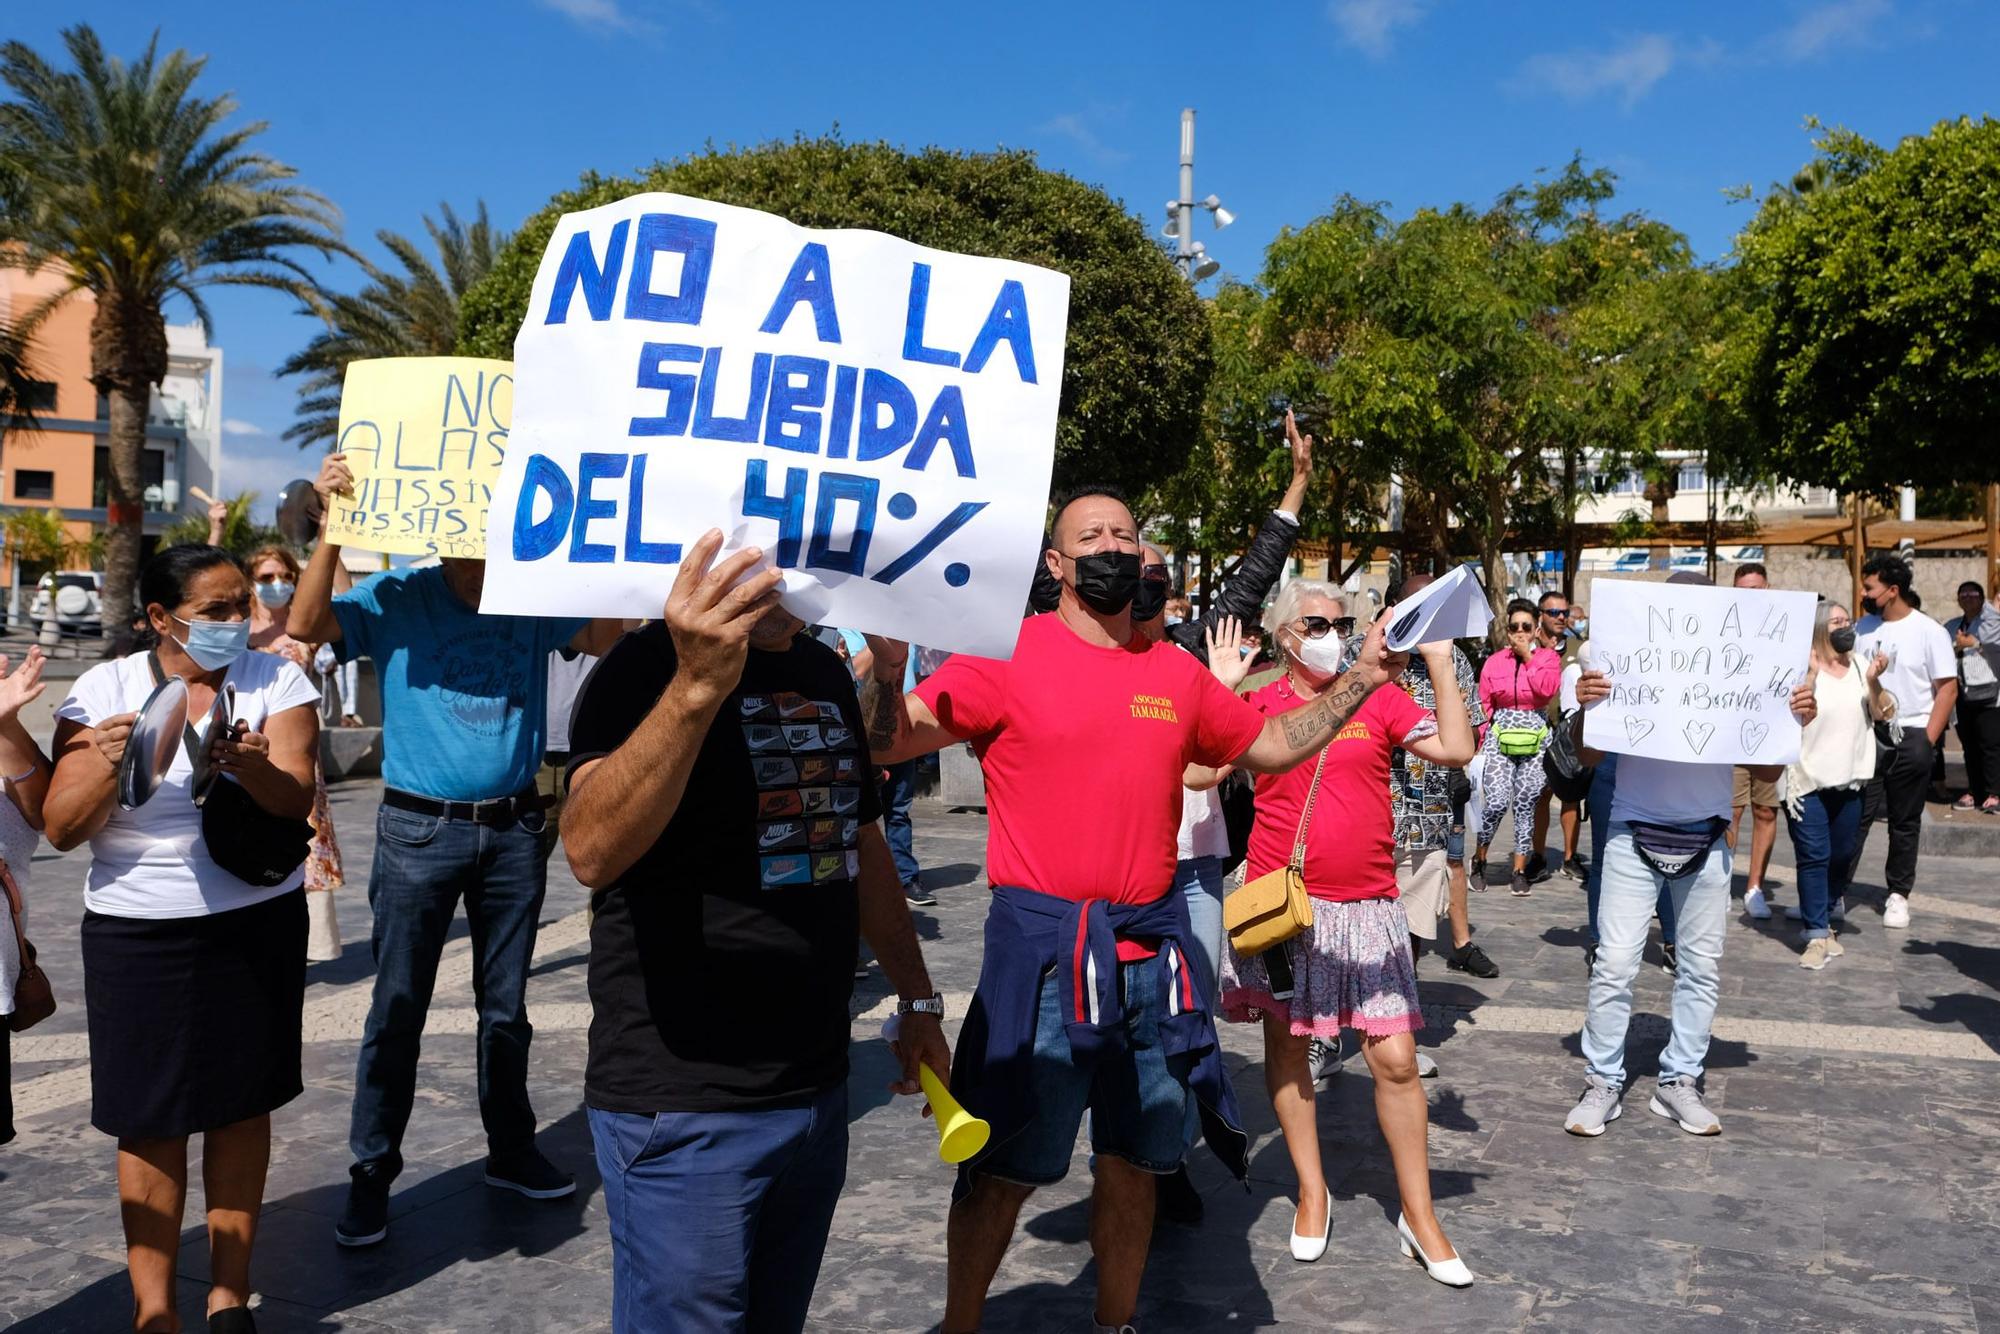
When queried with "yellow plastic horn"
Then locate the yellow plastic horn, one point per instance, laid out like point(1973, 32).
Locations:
point(960, 1133)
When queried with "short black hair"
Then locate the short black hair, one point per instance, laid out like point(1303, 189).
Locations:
point(1755, 567)
point(1521, 605)
point(1084, 492)
point(1974, 585)
point(1552, 593)
point(1891, 570)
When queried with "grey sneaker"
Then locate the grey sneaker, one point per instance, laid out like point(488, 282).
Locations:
point(1323, 1059)
point(1598, 1107)
point(1680, 1102)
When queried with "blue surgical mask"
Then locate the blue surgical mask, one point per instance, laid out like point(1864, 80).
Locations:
point(275, 595)
point(215, 644)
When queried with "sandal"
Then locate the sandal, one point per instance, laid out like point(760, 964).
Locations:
point(1964, 803)
point(1992, 806)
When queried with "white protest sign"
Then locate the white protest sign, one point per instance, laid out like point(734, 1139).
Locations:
point(1698, 674)
point(879, 418)
point(1453, 607)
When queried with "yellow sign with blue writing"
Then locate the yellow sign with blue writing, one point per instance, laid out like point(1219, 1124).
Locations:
point(424, 437)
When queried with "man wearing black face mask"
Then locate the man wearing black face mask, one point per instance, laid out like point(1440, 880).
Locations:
point(1091, 993)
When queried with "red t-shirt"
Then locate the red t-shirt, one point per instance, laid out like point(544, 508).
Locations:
point(1350, 844)
point(1083, 749)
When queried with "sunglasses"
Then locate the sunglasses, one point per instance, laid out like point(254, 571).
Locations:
point(1315, 627)
point(1156, 573)
point(1556, 613)
point(1520, 625)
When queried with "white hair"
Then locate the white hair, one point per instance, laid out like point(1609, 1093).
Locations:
point(1284, 608)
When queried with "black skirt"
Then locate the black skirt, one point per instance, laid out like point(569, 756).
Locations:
point(194, 1021)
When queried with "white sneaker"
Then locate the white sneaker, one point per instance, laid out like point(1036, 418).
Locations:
point(1896, 911)
point(1754, 904)
point(1426, 1067)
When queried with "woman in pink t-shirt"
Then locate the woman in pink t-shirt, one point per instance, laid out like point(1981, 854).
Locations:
point(1353, 968)
point(1515, 686)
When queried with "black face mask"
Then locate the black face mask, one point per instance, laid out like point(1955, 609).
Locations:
point(1108, 581)
point(1868, 607)
point(1841, 640)
point(1150, 599)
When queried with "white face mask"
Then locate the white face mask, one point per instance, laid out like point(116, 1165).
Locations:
point(1320, 656)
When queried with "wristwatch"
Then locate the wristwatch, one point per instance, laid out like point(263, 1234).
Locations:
point(932, 1004)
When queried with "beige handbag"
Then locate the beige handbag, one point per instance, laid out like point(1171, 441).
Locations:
point(1271, 909)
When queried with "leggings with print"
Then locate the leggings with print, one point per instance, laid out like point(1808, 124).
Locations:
point(1510, 783)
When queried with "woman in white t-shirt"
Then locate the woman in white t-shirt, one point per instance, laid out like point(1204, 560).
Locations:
point(24, 774)
point(1823, 787)
point(194, 979)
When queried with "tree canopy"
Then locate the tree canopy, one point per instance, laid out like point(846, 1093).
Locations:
point(1875, 327)
point(1137, 361)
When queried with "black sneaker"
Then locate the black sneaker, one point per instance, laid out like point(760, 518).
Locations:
point(1520, 885)
point(1589, 960)
point(1575, 868)
point(365, 1220)
point(1538, 869)
point(1670, 963)
point(527, 1173)
point(232, 1320)
point(1179, 1201)
point(1471, 959)
point(918, 896)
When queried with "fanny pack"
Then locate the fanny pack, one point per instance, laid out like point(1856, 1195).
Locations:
point(1676, 850)
point(1518, 743)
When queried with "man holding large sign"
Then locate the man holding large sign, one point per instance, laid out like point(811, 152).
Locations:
point(878, 416)
point(1687, 680)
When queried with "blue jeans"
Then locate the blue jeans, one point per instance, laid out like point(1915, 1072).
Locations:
point(423, 866)
point(1630, 893)
point(897, 794)
point(1826, 833)
point(1199, 881)
point(719, 1219)
point(1603, 781)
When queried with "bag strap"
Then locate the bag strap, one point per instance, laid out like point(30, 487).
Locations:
point(1298, 862)
point(14, 911)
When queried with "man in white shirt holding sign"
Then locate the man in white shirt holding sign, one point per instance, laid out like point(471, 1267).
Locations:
point(1667, 823)
point(1922, 674)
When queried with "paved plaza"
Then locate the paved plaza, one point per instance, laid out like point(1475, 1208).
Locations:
point(1856, 1184)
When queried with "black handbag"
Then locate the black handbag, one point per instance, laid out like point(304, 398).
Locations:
point(1239, 813)
point(243, 838)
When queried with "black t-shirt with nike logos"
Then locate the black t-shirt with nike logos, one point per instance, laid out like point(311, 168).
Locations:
point(722, 962)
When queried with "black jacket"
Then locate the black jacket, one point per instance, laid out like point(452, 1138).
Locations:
point(1243, 597)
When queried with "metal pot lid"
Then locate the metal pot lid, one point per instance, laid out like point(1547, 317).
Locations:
point(222, 714)
point(149, 751)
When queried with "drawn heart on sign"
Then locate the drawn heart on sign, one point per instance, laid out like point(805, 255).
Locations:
point(1697, 735)
point(1636, 729)
point(1753, 735)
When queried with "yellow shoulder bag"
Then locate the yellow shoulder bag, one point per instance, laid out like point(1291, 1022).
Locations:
point(1271, 909)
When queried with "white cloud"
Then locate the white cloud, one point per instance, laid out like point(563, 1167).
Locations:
point(1371, 24)
point(600, 15)
point(1824, 28)
point(1627, 70)
point(237, 426)
point(1079, 127)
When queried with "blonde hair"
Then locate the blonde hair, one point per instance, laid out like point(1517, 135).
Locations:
point(283, 555)
point(1284, 608)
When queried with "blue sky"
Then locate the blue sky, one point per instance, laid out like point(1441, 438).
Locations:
point(389, 108)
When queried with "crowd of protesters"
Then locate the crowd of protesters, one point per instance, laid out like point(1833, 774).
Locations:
point(735, 788)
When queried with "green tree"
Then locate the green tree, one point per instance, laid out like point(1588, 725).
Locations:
point(241, 535)
point(1137, 360)
point(414, 313)
point(137, 194)
point(1875, 323)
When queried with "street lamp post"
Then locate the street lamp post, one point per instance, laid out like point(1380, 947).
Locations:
point(1193, 257)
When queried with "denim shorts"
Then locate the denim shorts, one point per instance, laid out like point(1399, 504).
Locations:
point(1454, 843)
point(1140, 1109)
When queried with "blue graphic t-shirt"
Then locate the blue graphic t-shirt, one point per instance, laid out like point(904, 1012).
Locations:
point(464, 696)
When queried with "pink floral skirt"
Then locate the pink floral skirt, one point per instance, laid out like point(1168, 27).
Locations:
point(1353, 969)
point(323, 870)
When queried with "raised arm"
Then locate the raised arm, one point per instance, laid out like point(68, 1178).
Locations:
point(1452, 744)
point(900, 727)
point(23, 767)
point(1264, 563)
point(1288, 738)
point(620, 805)
point(311, 618)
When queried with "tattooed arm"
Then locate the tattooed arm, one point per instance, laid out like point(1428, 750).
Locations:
point(1289, 738)
point(900, 727)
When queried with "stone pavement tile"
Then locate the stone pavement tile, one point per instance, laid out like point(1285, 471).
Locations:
point(1484, 1196)
point(48, 1289)
point(1628, 1151)
point(1971, 1123)
point(1348, 1290)
point(1822, 1296)
point(1570, 1312)
point(1580, 1260)
point(1786, 1230)
point(467, 1297)
point(1986, 1305)
point(1949, 1252)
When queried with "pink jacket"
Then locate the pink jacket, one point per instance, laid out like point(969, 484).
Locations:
point(1505, 682)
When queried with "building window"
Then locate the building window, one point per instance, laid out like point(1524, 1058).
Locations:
point(34, 484)
point(1693, 476)
point(103, 406)
point(38, 395)
point(152, 477)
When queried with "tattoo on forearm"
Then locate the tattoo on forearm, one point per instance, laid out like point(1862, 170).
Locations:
point(881, 710)
point(1312, 727)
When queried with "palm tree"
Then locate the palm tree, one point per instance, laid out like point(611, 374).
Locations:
point(136, 192)
point(411, 314)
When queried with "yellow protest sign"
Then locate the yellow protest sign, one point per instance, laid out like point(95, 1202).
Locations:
point(424, 437)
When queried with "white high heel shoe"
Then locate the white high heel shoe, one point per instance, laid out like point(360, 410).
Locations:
point(1308, 1249)
point(1452, 1273)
